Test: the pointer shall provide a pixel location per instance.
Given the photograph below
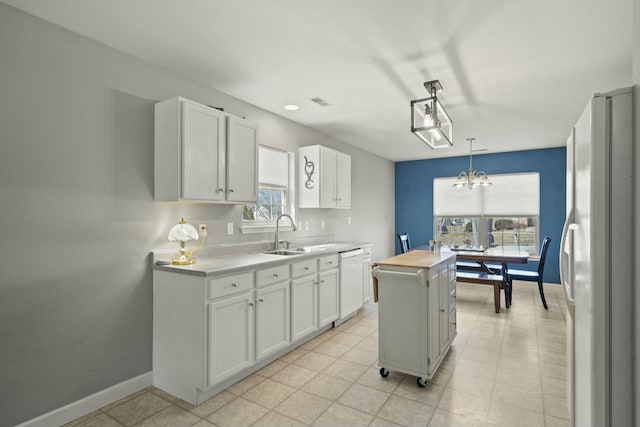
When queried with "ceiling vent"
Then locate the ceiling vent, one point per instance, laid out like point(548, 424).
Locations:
point(321, 102)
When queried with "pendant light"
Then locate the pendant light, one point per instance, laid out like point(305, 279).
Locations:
point(472, 178)
point(429, 120)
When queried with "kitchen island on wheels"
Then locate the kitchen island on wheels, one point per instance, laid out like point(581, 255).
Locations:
point(416, 293)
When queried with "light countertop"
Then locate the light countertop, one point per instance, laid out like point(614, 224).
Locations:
point(417, 259)
point(210, 266)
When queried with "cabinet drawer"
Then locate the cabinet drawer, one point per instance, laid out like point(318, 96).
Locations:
point(328, 262)
point(272, 275)
point(228, 285)
point(304, 268)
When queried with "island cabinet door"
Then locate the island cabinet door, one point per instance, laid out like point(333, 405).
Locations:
point(434, 318)
point(231, 336)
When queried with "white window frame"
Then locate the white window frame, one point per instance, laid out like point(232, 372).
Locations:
point(515, 195)
point(252, 226)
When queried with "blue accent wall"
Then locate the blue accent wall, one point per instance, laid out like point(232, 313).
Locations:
point(414, 194)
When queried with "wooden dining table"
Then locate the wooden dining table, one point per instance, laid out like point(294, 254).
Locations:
point(494, 256)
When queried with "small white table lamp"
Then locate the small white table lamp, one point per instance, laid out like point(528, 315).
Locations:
point(182, 232)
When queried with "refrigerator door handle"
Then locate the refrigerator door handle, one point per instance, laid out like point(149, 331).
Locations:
point(566, 259)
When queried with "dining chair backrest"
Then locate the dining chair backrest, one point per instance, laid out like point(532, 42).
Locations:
point(405, 242)
point(543, 254)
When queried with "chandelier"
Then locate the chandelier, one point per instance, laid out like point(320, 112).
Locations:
point(429, 120)
point(472, 178)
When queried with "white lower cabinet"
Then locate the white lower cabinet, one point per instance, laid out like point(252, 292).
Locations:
point(304, 306)
point(272, 319)
point(231, 336)
point(210, 332)
point(416, 305)
point(304, 298)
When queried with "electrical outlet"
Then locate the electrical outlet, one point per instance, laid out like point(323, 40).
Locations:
point(306, 226)
point(322, 225)
point(348, 220)
point(229, 228)
point(202, 230)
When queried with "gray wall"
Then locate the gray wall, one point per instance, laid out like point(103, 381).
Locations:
point(635, 78)
point(77, 217)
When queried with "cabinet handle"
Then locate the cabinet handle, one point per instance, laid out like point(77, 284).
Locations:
point(316, 282)
point(331, 262)
point(250, 304)
point(234, 285)
point(306, 268)
point(442, 310)
point(321, 281)
point(275, 274)
point(230, 190)
point(219, 190)
point(261, 300)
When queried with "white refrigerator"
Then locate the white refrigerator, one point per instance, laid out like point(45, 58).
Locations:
point(596, 263)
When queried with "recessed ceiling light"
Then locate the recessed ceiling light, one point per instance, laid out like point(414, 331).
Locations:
point(291, 107)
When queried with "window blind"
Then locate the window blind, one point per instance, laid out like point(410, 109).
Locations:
point(510, 195)
point(273, 167)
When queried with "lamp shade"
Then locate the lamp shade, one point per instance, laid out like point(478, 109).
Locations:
point(183, 231)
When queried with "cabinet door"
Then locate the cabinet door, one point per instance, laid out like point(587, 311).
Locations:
point(434, 316)
point(242, 160)
point(327, 297)
point(343, 181)
point(444, 307)
point(272, 319)
point(203, 152)
point(452, 301)
point(328, 163)
point(231, 336)
point(304, 306)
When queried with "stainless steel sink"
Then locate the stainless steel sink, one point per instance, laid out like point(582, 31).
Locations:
point(285, 252)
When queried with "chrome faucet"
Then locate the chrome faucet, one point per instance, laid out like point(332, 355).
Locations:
point(276, 241)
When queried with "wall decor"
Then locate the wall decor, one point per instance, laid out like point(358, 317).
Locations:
point(309, 167)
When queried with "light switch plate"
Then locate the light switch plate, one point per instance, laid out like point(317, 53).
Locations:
point(348, 220)
point(306, 226)
point(229, 228)
point(322, 225)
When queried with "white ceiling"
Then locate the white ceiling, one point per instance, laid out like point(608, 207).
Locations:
point(516, 73)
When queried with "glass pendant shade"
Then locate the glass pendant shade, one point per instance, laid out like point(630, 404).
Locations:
point(430, 121)
point(183, 232)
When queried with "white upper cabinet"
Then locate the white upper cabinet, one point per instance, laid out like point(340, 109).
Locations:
point(203, 154)
point(324, 178)
point(242, 160)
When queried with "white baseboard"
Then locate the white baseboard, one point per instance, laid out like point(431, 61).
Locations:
point(84, 406)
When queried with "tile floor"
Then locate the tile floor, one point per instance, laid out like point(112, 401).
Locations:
point(504, 369)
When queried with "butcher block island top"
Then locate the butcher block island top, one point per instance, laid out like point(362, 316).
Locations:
point(417, 259)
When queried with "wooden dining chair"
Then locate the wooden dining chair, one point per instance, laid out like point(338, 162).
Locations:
point(531, 276)
point(405, 242)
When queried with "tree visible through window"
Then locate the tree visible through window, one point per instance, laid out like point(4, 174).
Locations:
point(271, 203)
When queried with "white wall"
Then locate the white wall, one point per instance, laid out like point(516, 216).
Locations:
point(77, 217)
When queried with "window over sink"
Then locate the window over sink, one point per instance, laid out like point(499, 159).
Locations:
point(276, 191)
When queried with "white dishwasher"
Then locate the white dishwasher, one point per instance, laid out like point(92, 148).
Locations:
point(351, 282)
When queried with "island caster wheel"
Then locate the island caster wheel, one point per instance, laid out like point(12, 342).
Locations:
point(384, 373)
point(421, 383)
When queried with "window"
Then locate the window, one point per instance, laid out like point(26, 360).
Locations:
point(276, 189)
point(520, 233)
point(271, 203)
point(505, 214)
